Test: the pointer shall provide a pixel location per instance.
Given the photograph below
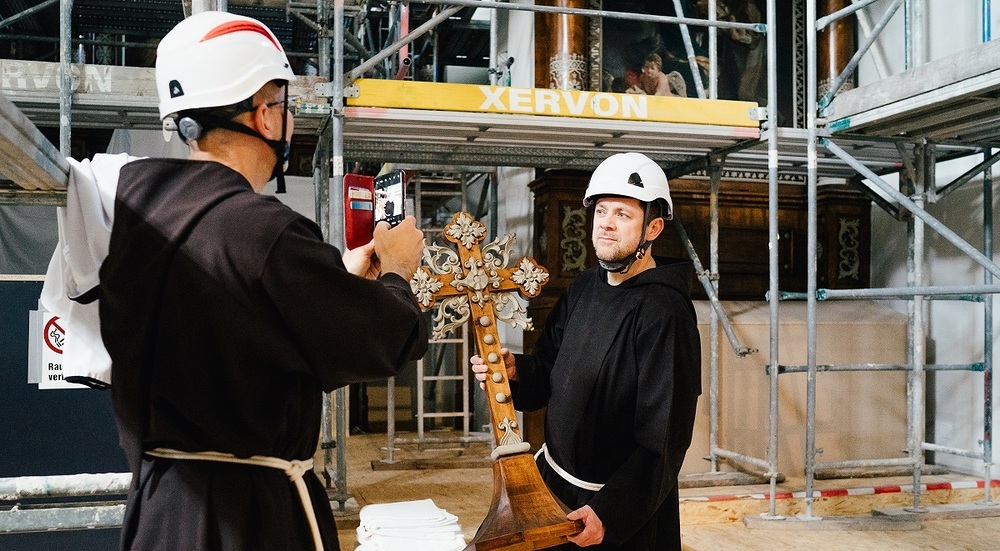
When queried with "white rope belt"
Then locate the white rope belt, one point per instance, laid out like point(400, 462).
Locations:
point(592, 486)
point(294, 469)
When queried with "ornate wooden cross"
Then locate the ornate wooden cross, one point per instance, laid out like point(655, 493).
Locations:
point(476, 284)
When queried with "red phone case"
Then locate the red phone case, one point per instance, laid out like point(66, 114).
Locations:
point(359, 209)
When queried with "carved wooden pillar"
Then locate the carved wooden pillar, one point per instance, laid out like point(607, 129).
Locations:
point(561, 57)
point(835, 46)
point(844, 235)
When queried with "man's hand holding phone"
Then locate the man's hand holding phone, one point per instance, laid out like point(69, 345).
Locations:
point(361, 261)
point(399, 249)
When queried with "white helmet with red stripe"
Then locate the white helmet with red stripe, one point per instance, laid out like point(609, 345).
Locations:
point(214, 59)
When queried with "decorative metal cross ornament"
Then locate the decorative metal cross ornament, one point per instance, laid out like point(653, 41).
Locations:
point(476, 284)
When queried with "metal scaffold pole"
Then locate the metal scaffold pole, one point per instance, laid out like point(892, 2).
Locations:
point(336, 222)
point(715, 172)
point(987, 338)
point(772, 256)
point(917, 338)
point(65, 76)
point(811, 176)
point(689, 48)
point(713, 48)
point(321, 186)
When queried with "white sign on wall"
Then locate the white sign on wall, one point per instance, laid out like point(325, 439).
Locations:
point(45, 357)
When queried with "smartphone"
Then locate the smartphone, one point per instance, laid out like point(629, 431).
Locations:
point(390, 197)
point(359, 209)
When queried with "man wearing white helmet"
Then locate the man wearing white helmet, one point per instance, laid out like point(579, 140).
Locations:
point(226, 315)
point(618, 366)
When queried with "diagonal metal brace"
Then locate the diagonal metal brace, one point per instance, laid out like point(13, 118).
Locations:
point(916, 210)
point(713, 296)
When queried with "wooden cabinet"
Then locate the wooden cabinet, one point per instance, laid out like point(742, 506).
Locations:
point(843, 236)
point(563, 225)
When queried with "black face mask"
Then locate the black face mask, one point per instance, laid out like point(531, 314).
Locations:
point(283, 147)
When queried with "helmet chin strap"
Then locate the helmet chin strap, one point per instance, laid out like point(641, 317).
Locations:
point(622, 266)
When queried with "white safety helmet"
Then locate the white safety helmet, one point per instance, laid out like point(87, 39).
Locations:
point(214, 59)
point(631, 175)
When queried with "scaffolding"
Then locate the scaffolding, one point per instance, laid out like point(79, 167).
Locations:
point(865, 142)
point(866, 151)
point(919, 121)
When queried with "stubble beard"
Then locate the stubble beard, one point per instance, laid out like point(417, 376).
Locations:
point(616, 252)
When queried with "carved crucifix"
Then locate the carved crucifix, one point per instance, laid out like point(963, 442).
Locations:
point(475, 285)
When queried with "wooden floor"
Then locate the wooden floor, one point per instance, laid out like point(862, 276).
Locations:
point(723, 518)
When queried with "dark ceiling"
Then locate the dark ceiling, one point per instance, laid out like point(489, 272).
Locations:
point(139, 24)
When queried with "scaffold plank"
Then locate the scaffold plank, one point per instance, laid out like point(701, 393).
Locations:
point(26, 156)
point(943, 512)
point(950, 99)
point(612, 107)
point(861, 523)
point(104, 96)
point(61, 518)
point(501, 139)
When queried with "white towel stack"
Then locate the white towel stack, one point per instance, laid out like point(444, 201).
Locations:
point(408, 526)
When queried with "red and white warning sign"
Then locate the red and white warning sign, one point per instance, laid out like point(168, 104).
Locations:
point(53, 341)
point(54, 335)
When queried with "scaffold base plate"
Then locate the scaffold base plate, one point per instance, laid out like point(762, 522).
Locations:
point(884, 523)
point(944, 512)
point(711, 480)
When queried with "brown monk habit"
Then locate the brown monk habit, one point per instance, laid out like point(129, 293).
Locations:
point(226, 317)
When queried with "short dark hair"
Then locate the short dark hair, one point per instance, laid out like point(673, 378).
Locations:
point(233, 110)
point(656, 208)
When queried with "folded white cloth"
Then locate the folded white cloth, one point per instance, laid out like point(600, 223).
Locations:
point(433, 533)
point(405, 513)
point(382, 543)
point(408, 526)
point(71, 282)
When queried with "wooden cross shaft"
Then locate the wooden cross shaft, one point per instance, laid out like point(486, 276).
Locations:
point(476, 285)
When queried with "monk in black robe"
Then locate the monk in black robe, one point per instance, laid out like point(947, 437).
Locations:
point(227, 316)
point(619, 367)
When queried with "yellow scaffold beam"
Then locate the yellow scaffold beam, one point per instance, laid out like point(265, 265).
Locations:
point(436, 96)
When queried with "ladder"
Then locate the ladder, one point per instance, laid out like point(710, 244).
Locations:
point(443, 372)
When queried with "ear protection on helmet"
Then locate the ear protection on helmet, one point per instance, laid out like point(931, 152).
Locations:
point(189, 129)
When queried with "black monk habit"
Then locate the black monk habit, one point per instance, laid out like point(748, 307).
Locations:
point(619, 368)
point(226, 317)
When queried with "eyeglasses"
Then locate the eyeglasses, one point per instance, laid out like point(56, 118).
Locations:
point(293, 103)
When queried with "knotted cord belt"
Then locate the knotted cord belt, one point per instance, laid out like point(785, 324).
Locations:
point(592, 486)
point(294, 469)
